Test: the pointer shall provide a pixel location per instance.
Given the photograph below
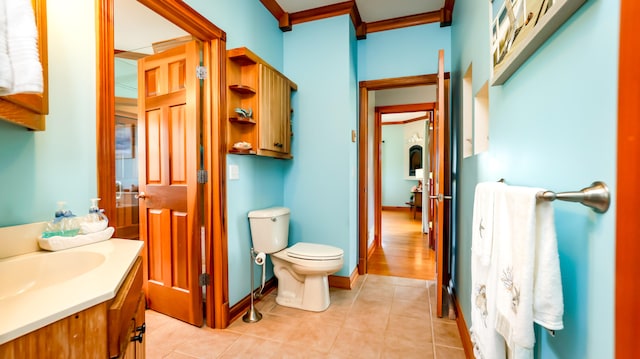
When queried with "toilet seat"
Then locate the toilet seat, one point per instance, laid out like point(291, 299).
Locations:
point(314, 251)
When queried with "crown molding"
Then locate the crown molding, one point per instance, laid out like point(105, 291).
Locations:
point(287, 20)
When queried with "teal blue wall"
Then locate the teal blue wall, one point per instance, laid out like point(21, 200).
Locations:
point(552, 125)
point(261, 184)
point(396, 189)
point(38, 169)
point(321, 181)
point(403, 52)
point(247, 23)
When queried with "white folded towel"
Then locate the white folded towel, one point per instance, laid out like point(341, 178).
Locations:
point(6, 74)
point(529, 286)
point(487, 342)
point(22, 46)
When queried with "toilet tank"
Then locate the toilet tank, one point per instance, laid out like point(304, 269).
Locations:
point(269, 229)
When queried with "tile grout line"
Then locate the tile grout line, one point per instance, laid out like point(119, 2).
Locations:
point(433, 333)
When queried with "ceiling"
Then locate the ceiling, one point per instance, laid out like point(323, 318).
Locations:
point(370, 10)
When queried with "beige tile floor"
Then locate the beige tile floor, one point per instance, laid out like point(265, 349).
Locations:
point(382, 317)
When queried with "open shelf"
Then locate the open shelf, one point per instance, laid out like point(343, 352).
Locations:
point(248, 121)
point(242, 89)
point(241, 57)
point(242, 152)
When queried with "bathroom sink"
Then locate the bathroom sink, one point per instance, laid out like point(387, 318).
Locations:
point(41, 287)
point(33, 272)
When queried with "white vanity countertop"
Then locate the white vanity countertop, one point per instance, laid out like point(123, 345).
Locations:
point(36, 290)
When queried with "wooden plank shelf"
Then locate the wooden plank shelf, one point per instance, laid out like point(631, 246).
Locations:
point(242, 89)
point(243, 120)
point(242, 152)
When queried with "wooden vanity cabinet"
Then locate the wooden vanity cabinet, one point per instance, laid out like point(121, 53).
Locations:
point(255, 85)
point(124, 321)
point(102, 331)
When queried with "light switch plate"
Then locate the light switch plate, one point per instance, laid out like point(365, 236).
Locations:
point(353, 136)
point(234, 172)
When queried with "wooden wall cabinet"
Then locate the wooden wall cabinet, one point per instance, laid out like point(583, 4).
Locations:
point(256, 87)
point(29, 110)
point(106, 330)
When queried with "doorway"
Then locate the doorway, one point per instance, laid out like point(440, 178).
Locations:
point(212, 161)
point(402, 248)
point(369, 181)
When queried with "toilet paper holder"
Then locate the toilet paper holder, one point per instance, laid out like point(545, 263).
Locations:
point(253, 315)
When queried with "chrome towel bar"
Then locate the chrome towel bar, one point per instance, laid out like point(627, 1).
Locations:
point(595, 196)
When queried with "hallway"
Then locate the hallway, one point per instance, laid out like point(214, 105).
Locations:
point(405, 249)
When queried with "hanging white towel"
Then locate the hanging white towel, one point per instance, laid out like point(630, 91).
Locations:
point(548, 301)
point(529, 286)
point(22, 45)
point(483, 218)
point(6, 74)
point(487, 342)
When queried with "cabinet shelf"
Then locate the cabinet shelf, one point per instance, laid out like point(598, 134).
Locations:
point(242, 120)
point(240, 57)
point(256, 87)
point(242, 89)
point(242, 152)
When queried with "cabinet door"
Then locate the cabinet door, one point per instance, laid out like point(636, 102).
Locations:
point(275, 111)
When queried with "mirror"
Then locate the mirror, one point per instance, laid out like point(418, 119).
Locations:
point(29, 110)
point(415, 159)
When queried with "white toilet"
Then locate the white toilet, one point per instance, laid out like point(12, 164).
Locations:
point(301, 269)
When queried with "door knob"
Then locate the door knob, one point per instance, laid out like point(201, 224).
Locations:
point(141, 195)
point(440, 197)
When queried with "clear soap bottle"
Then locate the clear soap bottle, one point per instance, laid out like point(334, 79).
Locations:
point(95, 221)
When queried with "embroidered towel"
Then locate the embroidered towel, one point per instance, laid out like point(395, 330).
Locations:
point(487, 343)
point(528, 268)
point(22, 45)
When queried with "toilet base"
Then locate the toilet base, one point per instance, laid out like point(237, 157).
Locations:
point(311, 295)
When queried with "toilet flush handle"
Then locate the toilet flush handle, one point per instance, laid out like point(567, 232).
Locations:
point(273, 219)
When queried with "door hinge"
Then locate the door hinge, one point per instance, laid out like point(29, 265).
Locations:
point(203, 176)
point(201, 72)
point(204, 279)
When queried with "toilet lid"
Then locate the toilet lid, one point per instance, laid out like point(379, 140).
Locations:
point(314, 251)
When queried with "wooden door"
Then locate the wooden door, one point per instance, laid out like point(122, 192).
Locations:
point(436, 194)
point(169, 127)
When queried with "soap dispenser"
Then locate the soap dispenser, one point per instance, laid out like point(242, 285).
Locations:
point(95, 221)
point(64, 223)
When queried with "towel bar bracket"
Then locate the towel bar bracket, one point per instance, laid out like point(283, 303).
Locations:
point(595, 196)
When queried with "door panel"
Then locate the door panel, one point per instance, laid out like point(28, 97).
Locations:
point(169, 150)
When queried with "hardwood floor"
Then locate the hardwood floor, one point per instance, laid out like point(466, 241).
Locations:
point(405, 249)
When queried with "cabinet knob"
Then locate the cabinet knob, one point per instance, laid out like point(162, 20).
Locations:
point(142, 328)
point(278, 144)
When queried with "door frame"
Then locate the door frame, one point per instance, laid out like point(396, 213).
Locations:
point(363, 159)
point(213, 134)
